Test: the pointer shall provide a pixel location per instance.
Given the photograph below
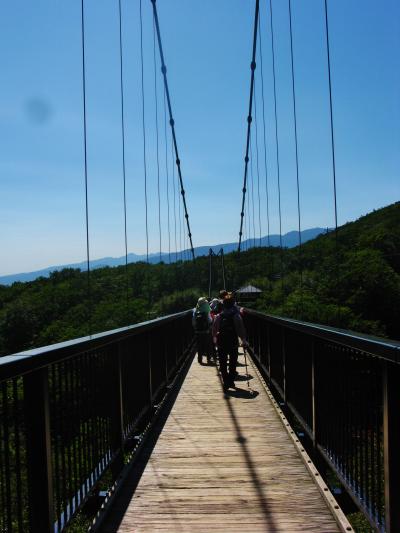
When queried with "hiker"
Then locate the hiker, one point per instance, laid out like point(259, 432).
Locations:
point(216, 307)
point(227, 327)
point(202, 322)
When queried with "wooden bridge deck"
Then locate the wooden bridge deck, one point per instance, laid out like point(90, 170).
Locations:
point(222, 463)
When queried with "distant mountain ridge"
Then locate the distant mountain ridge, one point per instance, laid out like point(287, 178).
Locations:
point(289, 240)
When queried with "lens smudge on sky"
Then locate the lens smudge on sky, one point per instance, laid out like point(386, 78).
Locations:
point(38, 111)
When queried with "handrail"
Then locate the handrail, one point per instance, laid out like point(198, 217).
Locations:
point(343, 388)
point(387, 349)
point(29, 360)
point(69, 411)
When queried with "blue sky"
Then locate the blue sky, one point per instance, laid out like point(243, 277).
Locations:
point(207, 48)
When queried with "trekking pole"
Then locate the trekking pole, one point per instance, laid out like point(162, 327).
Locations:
point(245, 362)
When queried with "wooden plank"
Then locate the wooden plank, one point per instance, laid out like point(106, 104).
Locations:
point(223, 463)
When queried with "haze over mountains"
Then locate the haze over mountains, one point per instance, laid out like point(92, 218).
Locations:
point(289, 240)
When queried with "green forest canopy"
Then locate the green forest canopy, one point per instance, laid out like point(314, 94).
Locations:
point(352, 282)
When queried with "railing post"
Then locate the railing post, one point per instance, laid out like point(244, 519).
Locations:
point(283, 363)
point(148, 342)
point(269, 350)
point(391, 443)
point(117, 415)
point(313, 394)
point(164, 340)
point(38, 439)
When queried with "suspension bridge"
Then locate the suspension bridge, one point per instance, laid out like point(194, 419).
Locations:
point(315, 411)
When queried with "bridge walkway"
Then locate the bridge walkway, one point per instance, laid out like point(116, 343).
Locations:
point(222, 463)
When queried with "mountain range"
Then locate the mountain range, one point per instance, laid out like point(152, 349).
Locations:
point(289, 240)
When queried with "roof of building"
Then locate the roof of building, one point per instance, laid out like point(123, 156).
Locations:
point(247, 289)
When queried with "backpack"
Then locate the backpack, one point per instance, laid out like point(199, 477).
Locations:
point(201, 322)
point(227, 335)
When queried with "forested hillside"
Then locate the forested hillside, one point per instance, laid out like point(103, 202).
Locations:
point(350, 281)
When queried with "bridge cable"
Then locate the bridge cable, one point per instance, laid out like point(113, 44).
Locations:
point(180, 221)
point(223, 268)
point(167, 176)
point(257, 165)
point(174, 189)
point(144, 134)
point(123, 147)
point(333, 150)
point(172, 123)
point(157, 137)
point(89, 292)
point(276, 141)
point(331, 115)
point(210, 254)
point(249, 118)
point(252, 190)
point(248, 239)
point(297, 156)
point(264, 129)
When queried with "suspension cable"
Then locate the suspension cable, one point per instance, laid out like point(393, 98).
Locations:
point(333, 156)
point(144, 134)
point(248, 222)
point(331, 115)
point(157, 147)
point(276, 139)
point(89, 293)
point(257, 165)
point(249, 119)
point(210, 254)
point(179, 222)
point(123, 146)
point(172, 123)
point(223, 268)
point(174, 189)
point(167, 175)
point(264, 129)
point(252, 190)
point(296, 146)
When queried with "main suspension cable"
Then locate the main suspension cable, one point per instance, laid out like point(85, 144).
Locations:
point(172, 123)
point(249, 119)
point(123, 146)
point(89, 293)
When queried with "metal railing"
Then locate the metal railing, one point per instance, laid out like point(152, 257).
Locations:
point(67, 411)
point(344, 389)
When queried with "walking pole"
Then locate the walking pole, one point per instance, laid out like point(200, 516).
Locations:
point(245, 362)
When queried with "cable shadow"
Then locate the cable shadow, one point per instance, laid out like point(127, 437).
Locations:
point(242, 393)
point(241, 439)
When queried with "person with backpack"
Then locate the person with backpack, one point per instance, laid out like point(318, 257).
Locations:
point(227, 327)
point(202, 323)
